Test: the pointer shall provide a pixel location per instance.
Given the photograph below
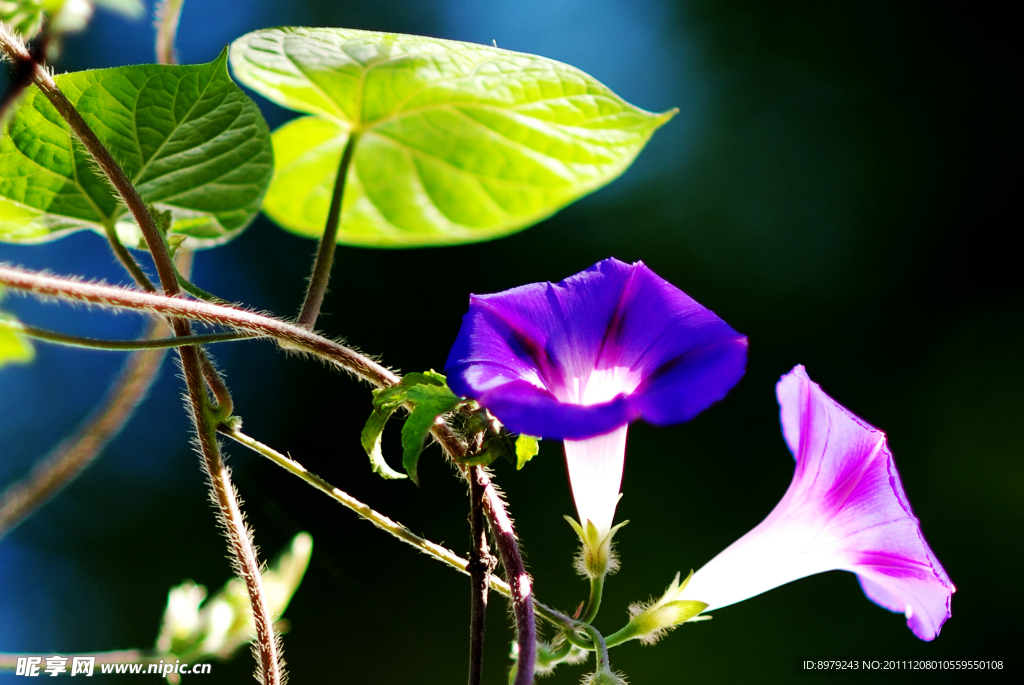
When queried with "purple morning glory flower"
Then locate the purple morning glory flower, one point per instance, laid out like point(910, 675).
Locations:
point(844, 510)
point(579, 359)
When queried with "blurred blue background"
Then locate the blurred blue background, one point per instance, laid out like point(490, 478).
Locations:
point(837, 186)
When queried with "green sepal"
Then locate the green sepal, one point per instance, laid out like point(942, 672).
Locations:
point(596, 558)
point(683, 610)
point(650, 621)
point(527, 448)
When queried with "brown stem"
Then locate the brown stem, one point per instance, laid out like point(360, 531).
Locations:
point(270, 669)
point(74, 454)
point(184, 257)
point(247, 567)
point(321, 273)
point(516, 576)
point(20, 77)
point(288, 335)
point(298, 338)
point(481, 563)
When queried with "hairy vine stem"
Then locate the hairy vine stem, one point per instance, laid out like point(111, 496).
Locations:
point(480, 566)
point(126, 259)
point(144, 343)
point(301, 339)
point(20, 79)
point(388, 525)
point(270, 666)
point(290, 336)
point(518, 580)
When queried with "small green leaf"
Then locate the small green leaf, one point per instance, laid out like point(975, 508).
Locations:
point(430, 402)
point(14, 348)
point(190, 140)
point(396, 395)
point(425, 390)
point(458, 142)
point(24, 17)
point(371, 443)
point(527, 448)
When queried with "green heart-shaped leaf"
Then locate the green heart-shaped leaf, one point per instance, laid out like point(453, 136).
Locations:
point(457, 142)
point(189, 139)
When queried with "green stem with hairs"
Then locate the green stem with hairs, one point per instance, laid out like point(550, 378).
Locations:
point(118, 345)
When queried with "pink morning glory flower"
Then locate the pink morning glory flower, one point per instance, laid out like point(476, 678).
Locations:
point(844, 510)
point(579, 359)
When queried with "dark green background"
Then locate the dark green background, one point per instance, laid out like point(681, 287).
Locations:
point(838, 187)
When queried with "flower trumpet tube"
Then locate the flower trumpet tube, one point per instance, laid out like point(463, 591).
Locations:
point(580, 359)
point(844, 510)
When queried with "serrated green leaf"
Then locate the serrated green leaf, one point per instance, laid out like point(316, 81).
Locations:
point(14, 348)
point(527, 448)
point(370, 439)
point(458, 142)
point(431, 401)
point(24, 17)
point(188, 137)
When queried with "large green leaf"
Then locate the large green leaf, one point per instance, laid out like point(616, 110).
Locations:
point(188, 137)
point(457, 142)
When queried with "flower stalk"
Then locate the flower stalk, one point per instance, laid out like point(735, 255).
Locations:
point(321, 274)
point(480, 566)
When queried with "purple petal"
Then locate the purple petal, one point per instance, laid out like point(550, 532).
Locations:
point(845, 509)
point(585, 356)
point(524, 408)
point(845, 468)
